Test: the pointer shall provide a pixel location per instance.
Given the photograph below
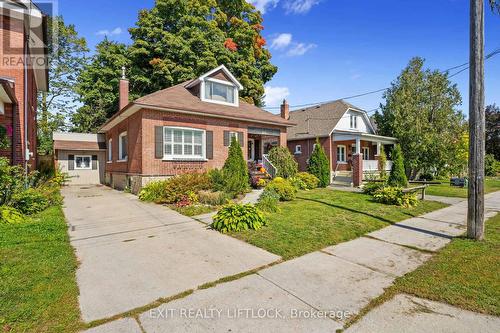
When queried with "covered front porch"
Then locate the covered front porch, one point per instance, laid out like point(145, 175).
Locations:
point(356, 155)
point(260, 141)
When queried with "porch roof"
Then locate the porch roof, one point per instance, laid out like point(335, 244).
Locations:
point(346, 135)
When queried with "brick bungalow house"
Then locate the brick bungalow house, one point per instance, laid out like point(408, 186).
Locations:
point(23, 73)
point(184, 128)
point(345, 133)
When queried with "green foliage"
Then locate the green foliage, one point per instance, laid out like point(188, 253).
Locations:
point(297, 183)
point(213, 198)
point(268, 201)
point(395, 196)
point(65, 62)
point(398, 174)
point(30, 201)
point(372, 187)
point(235, 170)
point(4, 139)
point(98, 86)
point(283, 188)
point(285, 163)
point(235, 217)
point(217, 179)
point(10, 215)
point(12, 181)
point(176, 189)
point(382, 160)
point(310, 180)
point(491, 165)
point(319, 165)
point(492, 117)
point(421, 111)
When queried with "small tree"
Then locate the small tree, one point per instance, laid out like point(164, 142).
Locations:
point(382, 160)
point(284, 162)
point(398, 174)
point(319, 165)
point(235, 169)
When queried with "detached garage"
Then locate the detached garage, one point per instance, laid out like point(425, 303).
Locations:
point(81, 156)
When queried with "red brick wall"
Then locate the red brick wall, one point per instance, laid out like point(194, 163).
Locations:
point(348, 144)
point(307, 149)
point(12, 67)
point(141, 131)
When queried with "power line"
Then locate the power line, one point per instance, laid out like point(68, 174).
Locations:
point(488, 56)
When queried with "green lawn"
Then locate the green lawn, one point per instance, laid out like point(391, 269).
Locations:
point(465, 274)
point(492, 184)
point(38, 291)
point(323, 217)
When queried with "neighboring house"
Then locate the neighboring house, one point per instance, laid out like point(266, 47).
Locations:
point(345, 133)
point(23, 37)
point(81, 156)
point(184, 128)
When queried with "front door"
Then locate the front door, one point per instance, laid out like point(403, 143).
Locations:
point(251, 149)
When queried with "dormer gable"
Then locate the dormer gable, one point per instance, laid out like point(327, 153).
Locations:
point(355, 121)
point(217, 86)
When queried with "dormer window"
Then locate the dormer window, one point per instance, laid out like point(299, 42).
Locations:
point(354, 121)
point(219, 92)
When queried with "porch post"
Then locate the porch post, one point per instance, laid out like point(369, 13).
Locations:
point(357, 165)
point(377, 156)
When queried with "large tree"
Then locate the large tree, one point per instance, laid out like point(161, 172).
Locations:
point(98, 86)
point(492, 116)
point(66, 58)
point(173, 42)
point(420, 110)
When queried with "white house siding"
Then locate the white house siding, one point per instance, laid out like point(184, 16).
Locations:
point(344, 123)
point(82, 177)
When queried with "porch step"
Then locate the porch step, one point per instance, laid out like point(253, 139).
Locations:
point(343, 174)
point(339, 180)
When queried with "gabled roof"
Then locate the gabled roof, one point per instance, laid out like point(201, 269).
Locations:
point(179, 98)
point(318, 121)
point(213, 71)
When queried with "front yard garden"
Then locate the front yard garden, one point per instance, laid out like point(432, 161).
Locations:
point(324, 217)
point(38, 290)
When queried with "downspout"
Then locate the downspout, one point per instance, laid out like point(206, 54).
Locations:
point(15, 107)
point(25, 151)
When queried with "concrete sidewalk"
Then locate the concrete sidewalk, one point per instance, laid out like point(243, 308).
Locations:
point(132, 253)
point(320, 291)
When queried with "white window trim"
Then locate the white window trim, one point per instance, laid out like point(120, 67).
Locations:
point(2, 107)
point(84, 156)
point(110, 151)
point(235, 134)
point(367, 153)
point(120, 148)
point(208, 100)
point(298, 150)
point(344, 161)
point(353, 121)
point(173, 157)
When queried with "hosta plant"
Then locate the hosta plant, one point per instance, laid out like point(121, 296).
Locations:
point(236, 217)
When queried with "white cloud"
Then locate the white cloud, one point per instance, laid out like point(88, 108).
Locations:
point(264, 5)
point(275, 95)
point(281, 41)
point(355, 76)
point(299, 6)
point(114, 32)
point(299, 49)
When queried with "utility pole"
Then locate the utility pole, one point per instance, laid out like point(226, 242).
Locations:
point(475, 212)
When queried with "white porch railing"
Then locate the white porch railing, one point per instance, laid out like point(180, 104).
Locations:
point(372, 165)
point(270, 168)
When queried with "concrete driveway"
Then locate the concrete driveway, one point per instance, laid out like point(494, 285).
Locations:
point(132, 253)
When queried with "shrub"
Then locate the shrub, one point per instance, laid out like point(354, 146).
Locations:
point(382, 161)
point(10, 215)
point(11, 180)
point(217, 179)
point(395, 196)
point(398, 175)
point(30, 201)
point(319, 165)
point(297, 183)
point(285, 163)
point(283, 188)
point(213, 198)
point(491, 165)
point(268, 202)
point(310, 180)
point(176, 188)
point(235, 217)
point(257, 181)
point(235, 170)
point(372, 187)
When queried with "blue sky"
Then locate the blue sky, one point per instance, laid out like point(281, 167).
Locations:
point(329, 49)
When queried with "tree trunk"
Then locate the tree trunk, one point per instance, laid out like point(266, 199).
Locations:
point(475, 213)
